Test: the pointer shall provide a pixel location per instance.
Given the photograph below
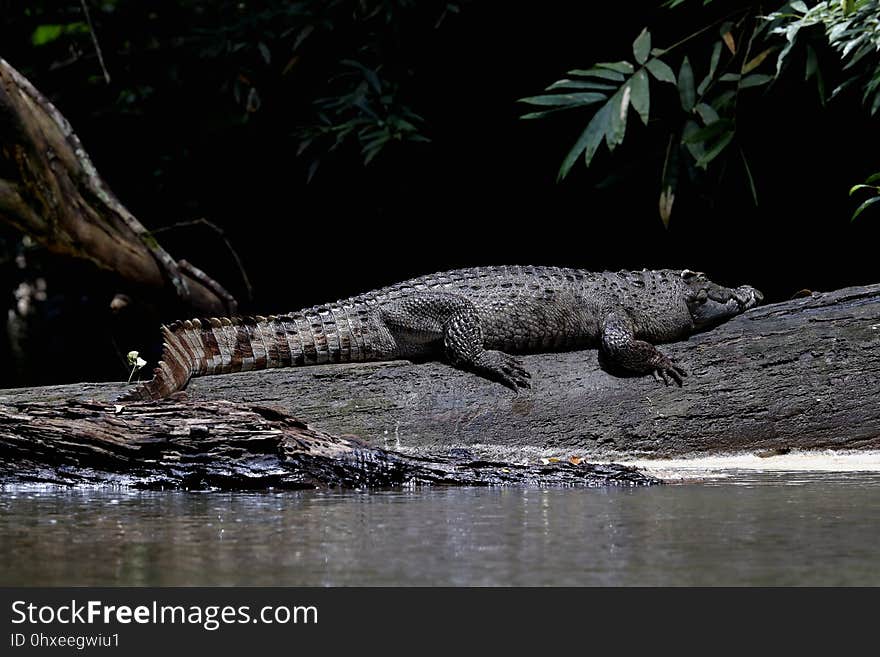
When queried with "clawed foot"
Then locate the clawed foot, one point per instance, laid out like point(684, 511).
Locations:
point(665, 369)
point(504, 368)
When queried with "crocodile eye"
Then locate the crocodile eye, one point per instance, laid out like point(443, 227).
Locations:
point(687, 274)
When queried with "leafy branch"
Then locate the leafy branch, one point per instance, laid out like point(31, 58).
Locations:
point(851, 28)
point(367, 110)
point(870, 183)
point(706, 126)
point(748, 55)
point(616, 85)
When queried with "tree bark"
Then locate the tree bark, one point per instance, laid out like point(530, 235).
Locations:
point(51, 191)
point(804, 374)
point(220, 445)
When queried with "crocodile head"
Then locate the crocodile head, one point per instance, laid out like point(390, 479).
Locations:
point(711, 304)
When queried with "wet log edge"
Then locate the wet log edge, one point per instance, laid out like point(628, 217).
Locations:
point(219, 445)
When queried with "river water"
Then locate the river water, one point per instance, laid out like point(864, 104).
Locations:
point(779, 521)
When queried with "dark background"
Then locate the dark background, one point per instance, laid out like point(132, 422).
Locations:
point(483, 191)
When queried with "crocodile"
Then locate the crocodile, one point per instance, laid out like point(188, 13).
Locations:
point(474, 319)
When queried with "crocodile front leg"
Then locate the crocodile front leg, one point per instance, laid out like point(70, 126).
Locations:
point(620, 346)
point(450, 322)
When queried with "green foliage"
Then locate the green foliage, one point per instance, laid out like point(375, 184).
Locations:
point(364, 102)
point(44, 34)
point(705, 126)
point(871, 184)
point(741, 54)
point(339, 70)
point(616, 85)
point(363, 109)
point(852, 29)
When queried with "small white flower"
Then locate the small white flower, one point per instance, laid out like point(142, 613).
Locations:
point(136, 362)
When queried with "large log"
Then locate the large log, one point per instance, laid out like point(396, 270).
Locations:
point(220, 445)
point(804, 374)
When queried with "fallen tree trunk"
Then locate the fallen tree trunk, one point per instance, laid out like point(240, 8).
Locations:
point(51, 191)
point(804, 374)
point(220, 445)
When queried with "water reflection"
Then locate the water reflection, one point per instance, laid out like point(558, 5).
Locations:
point(747, 528)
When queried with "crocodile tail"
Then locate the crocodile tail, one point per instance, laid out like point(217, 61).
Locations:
point(220, 346)
point(174, 370)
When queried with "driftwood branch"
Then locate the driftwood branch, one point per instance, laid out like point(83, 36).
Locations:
point(804, 374)
point(51, 191)
point(220, 445)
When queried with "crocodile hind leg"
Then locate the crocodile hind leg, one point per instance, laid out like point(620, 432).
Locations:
point(620, 346)
point(422, 324)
